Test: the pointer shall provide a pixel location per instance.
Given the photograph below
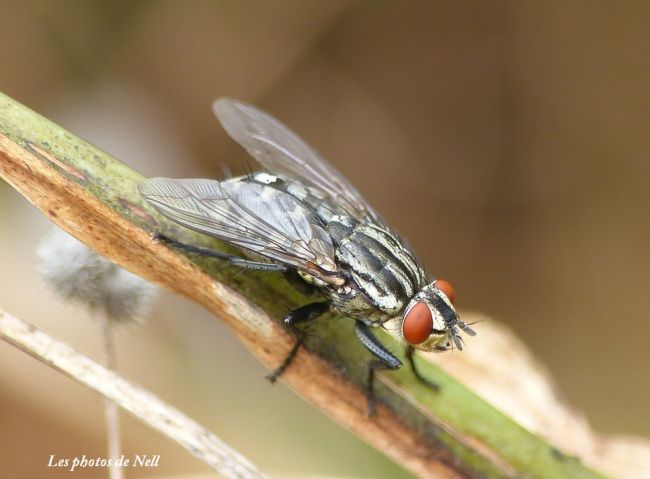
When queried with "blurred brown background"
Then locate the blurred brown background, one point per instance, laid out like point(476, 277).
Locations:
point(508, 141)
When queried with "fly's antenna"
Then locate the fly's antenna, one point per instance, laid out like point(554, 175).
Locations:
point(452, 341)
point(456, 338)
point(454, 332)
point(466, 327)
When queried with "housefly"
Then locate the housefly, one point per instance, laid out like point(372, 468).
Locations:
point(301, 217)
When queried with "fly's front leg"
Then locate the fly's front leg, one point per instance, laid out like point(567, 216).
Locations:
point(233, 260)
point(410, 350)
point(302, 314)
point(385, 360)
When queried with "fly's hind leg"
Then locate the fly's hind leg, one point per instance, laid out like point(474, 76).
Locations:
point(384, 360)
point(302, 314)
point(233, 260)
point(410, 350)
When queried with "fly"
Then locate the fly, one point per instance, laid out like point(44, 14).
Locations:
point(301, 217)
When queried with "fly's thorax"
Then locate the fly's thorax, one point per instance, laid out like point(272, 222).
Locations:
point(313, 198)
point(261, 177)
point(385, 274)
point(341, 227)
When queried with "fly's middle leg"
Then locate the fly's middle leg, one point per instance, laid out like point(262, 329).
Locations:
point(410, 350)
point(384, 360)
point(302, 314)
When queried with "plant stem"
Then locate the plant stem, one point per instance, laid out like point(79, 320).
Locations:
point(111, 413)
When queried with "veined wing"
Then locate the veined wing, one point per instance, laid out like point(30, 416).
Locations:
point(283, 152)
point(255, 217)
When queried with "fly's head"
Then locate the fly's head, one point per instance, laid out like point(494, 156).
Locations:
point(430, 321)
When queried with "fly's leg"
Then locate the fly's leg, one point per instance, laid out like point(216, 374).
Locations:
point(385, 360)
point(234, 260)
point(410, 350)
point(302, 314)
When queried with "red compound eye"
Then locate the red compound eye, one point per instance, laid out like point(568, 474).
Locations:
point(448, 289)
point(418, 324)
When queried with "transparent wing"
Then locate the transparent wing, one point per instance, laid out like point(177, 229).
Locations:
point(252, 216)
point(283, 152)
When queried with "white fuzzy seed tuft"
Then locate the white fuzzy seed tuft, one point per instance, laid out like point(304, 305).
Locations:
point(80, 274)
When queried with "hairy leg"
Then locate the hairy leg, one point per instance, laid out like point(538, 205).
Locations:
point(233, 260)
point(302, 314)
point(384, 360)
point(410, 350)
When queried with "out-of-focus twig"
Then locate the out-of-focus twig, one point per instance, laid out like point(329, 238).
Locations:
point(142, 404)
point(111, 412)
